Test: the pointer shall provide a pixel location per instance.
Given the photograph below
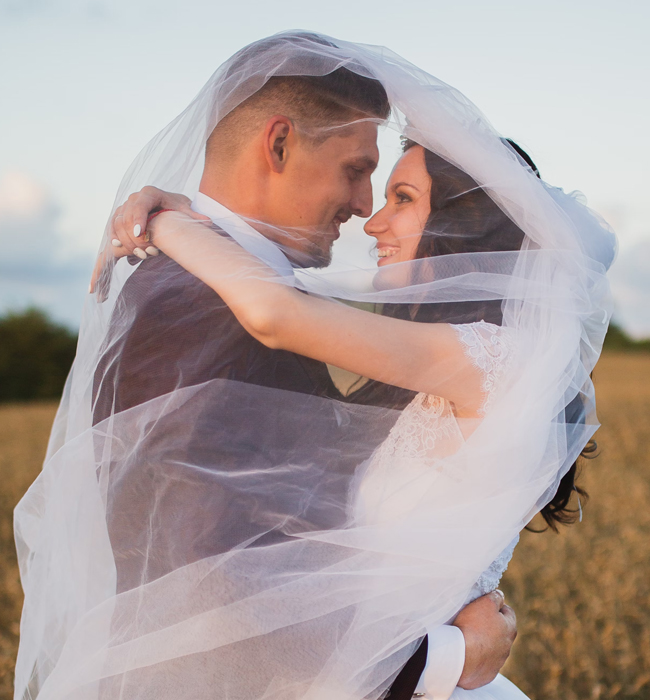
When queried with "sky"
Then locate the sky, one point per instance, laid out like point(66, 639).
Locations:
point(85, 84)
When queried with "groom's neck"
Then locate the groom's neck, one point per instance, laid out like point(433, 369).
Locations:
point(234, 189)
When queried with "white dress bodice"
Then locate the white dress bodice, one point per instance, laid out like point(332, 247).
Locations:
point(412, 457)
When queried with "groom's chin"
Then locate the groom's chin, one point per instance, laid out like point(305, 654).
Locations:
point(322, 261)
point(314, 258)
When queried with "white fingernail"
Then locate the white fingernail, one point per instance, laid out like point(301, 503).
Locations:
point(116, 242)
point(140, 253)
point(152, 250)
point(137, 230)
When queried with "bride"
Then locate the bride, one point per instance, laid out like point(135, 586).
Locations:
point(231, 534)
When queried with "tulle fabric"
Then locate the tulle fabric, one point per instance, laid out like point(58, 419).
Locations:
point(204, 543)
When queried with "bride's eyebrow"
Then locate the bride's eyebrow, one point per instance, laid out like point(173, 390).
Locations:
point(401, 184)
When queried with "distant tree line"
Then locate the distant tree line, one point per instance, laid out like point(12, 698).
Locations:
point(618, 339)
point(36, 354)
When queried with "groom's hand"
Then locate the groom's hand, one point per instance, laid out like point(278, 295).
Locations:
point(489, 627)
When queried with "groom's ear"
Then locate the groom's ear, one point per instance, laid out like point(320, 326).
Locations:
point(277, 135)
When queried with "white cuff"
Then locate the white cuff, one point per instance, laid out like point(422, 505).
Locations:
point(445, 661)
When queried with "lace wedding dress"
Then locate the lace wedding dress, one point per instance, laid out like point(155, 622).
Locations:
point(426, 432)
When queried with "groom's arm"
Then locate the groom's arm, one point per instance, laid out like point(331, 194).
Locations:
point(470, 652)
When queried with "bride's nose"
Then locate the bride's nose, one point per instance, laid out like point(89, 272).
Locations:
point(376, 224)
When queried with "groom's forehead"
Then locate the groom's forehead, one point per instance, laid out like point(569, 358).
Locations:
point(359, 145)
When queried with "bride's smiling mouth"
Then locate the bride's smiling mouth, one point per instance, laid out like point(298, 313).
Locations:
point(386, 252)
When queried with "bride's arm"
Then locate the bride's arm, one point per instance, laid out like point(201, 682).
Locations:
point(422, 357)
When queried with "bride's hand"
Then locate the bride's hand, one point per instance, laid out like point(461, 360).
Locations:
point(130, 220)
point(131, 217)
point(165, 223)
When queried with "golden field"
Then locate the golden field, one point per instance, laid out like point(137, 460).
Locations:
point(582, 597)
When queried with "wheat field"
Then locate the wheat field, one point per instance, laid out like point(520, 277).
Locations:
point(582, 597)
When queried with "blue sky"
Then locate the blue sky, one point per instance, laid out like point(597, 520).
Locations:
point(86, 83)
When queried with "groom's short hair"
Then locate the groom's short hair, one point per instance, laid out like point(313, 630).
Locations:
point(313, 102)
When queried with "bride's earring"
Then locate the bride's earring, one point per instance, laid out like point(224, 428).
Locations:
point(579, 504)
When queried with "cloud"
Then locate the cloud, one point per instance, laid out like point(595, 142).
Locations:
point(630, 279)
point(36, 267)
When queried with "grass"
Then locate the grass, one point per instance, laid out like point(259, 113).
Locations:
point(24, 430)
point(582, 597)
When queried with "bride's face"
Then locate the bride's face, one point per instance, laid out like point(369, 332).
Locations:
point(399, 224)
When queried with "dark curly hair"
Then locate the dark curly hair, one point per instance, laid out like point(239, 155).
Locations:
point(464, 219)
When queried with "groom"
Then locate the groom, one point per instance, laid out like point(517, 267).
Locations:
point(262, 164)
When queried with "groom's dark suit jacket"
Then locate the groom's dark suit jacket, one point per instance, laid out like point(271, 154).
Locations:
point(165, 327)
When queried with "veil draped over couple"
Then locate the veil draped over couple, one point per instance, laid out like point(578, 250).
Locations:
point(274, 476)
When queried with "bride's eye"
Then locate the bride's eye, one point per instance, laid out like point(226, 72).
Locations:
point(402, 197)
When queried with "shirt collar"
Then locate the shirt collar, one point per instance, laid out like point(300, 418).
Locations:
point(244, 234)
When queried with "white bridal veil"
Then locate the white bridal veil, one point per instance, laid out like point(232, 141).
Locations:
point(202, 541)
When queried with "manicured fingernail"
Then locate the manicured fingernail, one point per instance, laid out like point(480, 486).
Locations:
point(116, 243)
point(90, 289)
point(137, 230)
point(140, 253)
point(152, 250)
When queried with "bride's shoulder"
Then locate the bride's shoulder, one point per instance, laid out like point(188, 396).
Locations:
point(485, 343)
point(490, 349)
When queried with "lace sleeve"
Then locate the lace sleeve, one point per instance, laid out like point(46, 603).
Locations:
point(489, 347)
